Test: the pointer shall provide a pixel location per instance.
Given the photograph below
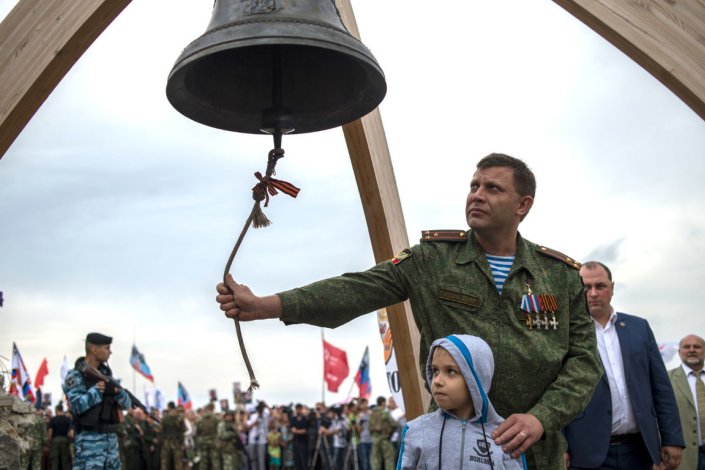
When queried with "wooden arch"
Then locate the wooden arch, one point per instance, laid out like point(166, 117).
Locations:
point(41, 40)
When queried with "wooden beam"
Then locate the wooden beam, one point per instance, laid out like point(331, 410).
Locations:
point(40, 40)
point(372, 165)
point(666, 37)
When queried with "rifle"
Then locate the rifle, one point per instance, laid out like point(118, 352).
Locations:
point(88, 369)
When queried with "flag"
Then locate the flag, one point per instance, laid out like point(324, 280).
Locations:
point(21, 384)
point(159, 399)
point(64, 371)
point(335, 366)
point(184, 399)
point(362, 378)
point(41, 373)
point(668, 350)
point(139, 364)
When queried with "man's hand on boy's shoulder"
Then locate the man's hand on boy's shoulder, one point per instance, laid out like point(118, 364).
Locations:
point(517, 433)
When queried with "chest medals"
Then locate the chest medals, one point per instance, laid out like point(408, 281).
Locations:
point(539, 310)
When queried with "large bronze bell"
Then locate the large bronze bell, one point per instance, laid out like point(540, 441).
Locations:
point(268, 65)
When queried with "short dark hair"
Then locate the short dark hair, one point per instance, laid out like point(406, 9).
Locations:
point(596, 264)
point(524, 179)
point(381, 401)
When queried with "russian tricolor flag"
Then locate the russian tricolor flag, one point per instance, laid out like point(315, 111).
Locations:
point(21, 384)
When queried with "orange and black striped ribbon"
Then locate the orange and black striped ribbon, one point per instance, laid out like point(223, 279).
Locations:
point(267, 186)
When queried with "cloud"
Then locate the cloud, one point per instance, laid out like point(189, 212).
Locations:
point(607, 254)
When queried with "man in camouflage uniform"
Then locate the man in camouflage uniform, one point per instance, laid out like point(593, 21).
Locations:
point(231, 447)
point(546, 358)
point(37, 438)
point(171, 435)
point(207, 440)
point(382, 425)
point(149, 448)
point(132, 440)
point(95, 405)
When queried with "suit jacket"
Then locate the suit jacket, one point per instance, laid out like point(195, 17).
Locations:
point(651, 395)
point(688, 417)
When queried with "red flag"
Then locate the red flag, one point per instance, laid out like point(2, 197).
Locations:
point(41, 373)
point(335, 366)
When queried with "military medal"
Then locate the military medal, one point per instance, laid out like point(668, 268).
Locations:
point(541, 306)
point(550, 305)
point(529, 304)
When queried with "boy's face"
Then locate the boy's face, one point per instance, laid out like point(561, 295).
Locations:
point(448, 386)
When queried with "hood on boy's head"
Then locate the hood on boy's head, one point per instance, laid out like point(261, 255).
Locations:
point(474, 358)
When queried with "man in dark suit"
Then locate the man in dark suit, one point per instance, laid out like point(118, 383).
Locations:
point(687, 380)
point(632, 419)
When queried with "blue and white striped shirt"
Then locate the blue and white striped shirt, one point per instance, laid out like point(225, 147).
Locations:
point(500, 266)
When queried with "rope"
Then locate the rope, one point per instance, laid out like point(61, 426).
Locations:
point(260, 192)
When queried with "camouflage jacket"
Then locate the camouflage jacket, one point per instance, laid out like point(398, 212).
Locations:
point(228, 437)
point(172, 427)
point(82, 399)
point(130, 433)
point(37, 433)
point(550, 373)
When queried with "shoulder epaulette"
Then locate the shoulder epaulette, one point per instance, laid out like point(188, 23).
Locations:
point(559, 256)
point(443, 236)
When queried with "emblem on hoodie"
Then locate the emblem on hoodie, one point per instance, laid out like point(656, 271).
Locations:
point(483, 452)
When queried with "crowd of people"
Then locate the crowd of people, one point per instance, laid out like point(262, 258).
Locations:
point(529, 365)
point(295, 437)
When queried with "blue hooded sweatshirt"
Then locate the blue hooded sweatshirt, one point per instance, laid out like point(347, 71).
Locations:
point(440, 440)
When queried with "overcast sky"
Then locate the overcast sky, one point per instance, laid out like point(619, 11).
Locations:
point(117, 214)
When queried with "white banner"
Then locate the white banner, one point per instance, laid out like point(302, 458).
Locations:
point(390, 360)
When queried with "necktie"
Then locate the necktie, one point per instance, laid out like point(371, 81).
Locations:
point(700, 395)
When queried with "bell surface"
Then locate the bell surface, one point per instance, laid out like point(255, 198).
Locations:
point(291, 58)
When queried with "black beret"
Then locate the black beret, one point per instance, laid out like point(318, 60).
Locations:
point(97, 338)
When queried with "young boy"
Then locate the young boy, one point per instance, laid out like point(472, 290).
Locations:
point(459, 371)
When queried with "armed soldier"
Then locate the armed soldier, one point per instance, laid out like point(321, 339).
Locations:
point(95, 405)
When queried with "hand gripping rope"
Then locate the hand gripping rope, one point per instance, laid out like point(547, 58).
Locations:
point(260, 192)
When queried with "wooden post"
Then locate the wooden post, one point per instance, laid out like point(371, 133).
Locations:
point(40, 40)
point(667, 38)
point(372, 165)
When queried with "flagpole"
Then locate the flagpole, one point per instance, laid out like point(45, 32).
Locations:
point(323, 376)
point(352, 384)
point(134, 372)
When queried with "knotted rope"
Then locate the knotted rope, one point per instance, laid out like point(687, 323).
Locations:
point(260, 192)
